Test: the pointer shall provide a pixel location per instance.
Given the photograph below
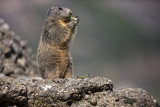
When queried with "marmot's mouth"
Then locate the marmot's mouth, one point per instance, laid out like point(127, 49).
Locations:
point(70, 18)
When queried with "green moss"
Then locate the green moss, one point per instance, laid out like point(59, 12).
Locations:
point(129, 100)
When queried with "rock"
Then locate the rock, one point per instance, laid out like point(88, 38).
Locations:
point(13, 91)
point(15, 55)
point(97, 91)
point(93, 101)
point(36, 91)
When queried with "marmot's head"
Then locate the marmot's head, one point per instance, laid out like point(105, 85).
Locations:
point(59, 26)
point(61, 13)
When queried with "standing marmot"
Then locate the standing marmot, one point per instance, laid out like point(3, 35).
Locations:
point(53, 55)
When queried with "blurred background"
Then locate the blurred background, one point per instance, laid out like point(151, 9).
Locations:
point(118, 39)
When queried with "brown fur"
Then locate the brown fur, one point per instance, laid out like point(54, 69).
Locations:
point(53, 55)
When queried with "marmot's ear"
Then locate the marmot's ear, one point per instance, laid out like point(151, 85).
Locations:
point(49, 11)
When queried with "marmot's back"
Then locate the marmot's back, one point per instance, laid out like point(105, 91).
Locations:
point(53, 55)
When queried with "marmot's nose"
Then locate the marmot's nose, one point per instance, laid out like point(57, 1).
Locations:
point(70, 13)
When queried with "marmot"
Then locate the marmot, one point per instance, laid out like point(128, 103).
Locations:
point(54, 60)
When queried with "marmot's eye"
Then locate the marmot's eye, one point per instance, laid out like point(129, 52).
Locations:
point(60, 8)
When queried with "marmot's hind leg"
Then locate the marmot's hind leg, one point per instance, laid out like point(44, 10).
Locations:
point(42, 72)
point(51, 72)
point(68, 73)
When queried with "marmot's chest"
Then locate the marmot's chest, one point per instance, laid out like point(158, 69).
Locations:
point(64, 59)
point(64, 56)
point(61, 56)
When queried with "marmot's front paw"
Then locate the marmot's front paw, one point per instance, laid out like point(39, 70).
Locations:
point(73, 23)
point(77, 19)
